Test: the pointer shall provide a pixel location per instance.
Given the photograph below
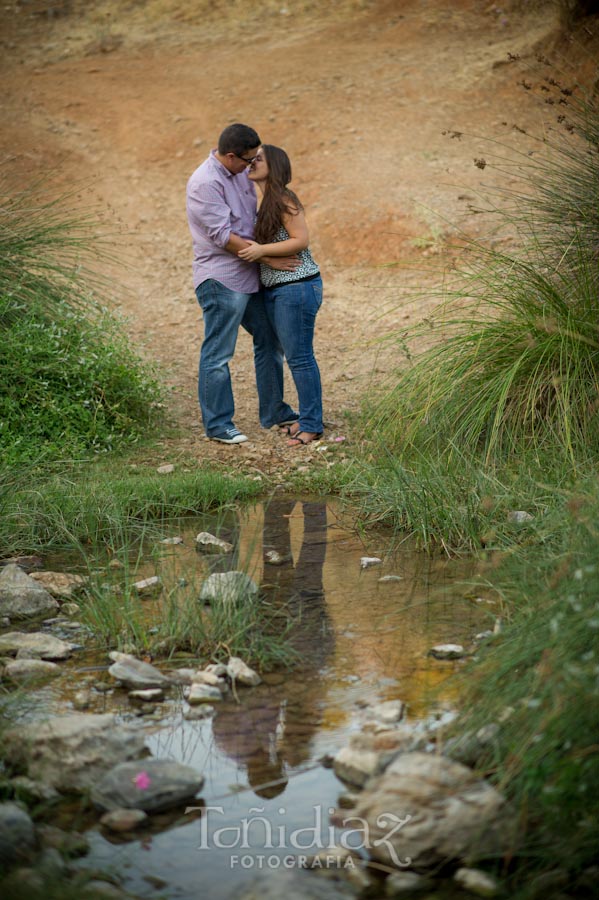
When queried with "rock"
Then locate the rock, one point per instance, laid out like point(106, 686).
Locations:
point(59, 584)
point(447, 651)
point(274, 558)
point(135, 673)
point(123, 819)
point(239, 673)
point(30, 670)
point(21, 597)
point(228, 587)
point(148, 587)
point(32, 792)
point(82, 700)
point(401, 883)
point(69, 753)
point(429, 810)
point(519, 516)
point(387, 578)
point(181, 676)
point(70, 609)
point(218, 669)
point(35, 645)
point(203, 677)
point(198, 712)
point(477, 882)
point(356, 766)
point(467, 748)
point(208, 543)
point(150, 695)
point(389, 712)
point(367, 561)
point(17, 835)
point(166, 469)
point(150, 785)
point(203, 693)
point(172, 540)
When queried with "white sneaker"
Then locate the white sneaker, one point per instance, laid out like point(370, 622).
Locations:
point(229, 436)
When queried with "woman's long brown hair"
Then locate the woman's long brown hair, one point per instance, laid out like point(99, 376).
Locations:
point(278, 200)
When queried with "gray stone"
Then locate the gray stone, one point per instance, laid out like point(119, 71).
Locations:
point(425, 810)
point(62, 585)
point(398, 884)
point(367, 561)
point(240, 673)
point(21, 597)
point(203, 693)
point(33, 791)
point(389, 712)
point(447, 651)
point(208, 543)
point(70, 753)
point(355, 766)
point(195, 713)
point(82, 700)
point(150, 785)
point(519, 516)
point(123, 819)
point(477, 882)
point(148, 587)
point(30, 670)
point(134, 673)
point(228, 587)
point(17, 835)
point(35, 645)
point(150, 695)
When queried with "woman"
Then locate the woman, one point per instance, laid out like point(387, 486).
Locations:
point(292, 299)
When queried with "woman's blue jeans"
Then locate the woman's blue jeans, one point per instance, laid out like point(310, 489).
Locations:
point(292, 309)
point(223, 312)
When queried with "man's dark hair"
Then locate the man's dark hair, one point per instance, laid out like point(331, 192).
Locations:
point(238, 139)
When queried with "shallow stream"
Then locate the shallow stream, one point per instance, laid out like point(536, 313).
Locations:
point(362, 640)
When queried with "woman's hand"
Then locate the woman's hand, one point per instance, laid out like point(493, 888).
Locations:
point(252, 252)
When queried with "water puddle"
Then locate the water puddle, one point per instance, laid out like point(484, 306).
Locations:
point(361, 640)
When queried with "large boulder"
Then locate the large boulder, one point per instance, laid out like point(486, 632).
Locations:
point(228, 588)
point(21, 597)
point(71, 753)
point(135, 673)
point(34, 645)
point(425, 810)
point(150, 785)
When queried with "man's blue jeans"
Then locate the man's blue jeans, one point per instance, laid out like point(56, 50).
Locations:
point(223, 312)
point(292, 309)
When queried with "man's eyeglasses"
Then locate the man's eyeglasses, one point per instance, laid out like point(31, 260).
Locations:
point(244, 158)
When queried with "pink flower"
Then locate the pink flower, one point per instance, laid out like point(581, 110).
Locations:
point(142, 781)
point(338, 440)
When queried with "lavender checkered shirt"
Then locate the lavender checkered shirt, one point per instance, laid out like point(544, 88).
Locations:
point(219, 203)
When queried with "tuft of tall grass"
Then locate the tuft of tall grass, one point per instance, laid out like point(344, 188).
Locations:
point(87, 509)
point(70, 383)
point(537, 682)
point(514, 361)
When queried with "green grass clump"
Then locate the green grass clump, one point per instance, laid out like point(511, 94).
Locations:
point(514, 363)
point(70, 382)
point(538, 681)
point(83, 508)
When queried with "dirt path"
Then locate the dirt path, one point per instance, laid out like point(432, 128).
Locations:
point(125, 100)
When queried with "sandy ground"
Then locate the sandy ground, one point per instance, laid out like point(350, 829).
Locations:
point(382, 107)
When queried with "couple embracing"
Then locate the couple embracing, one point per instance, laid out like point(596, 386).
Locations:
point(253, 267)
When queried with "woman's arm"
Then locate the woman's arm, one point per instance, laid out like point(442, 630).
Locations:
point(297, 230)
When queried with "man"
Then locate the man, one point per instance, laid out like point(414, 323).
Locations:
point(221, 211)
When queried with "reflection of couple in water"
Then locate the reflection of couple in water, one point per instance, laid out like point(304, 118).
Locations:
point(270, 730)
